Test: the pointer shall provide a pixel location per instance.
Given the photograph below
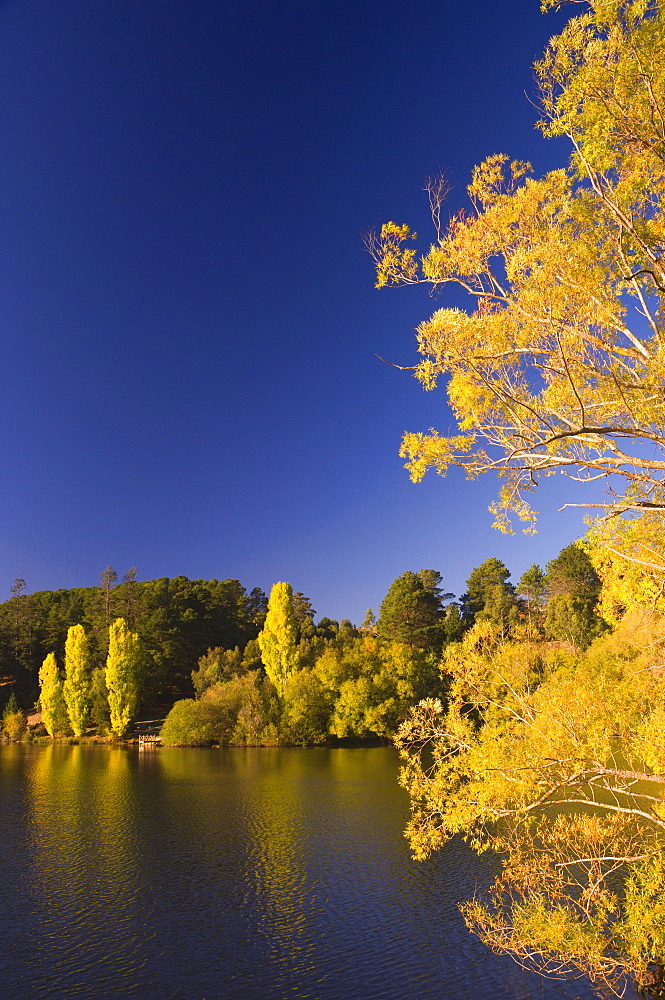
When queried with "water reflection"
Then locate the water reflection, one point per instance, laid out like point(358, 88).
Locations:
point(258, 873)
point(85, 868)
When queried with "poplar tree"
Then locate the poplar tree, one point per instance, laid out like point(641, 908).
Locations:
point(123, 675)
point(54, 712)
point(76, 688)
point(278, 640)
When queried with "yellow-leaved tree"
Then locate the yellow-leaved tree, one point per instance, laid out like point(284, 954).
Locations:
point(554, 759)
point(51, 698)
point(278, 640)
point(124, 675)
point(557, 762)
point(77, 685)
point(558, 363)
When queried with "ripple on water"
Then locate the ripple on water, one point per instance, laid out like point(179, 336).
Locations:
point(232, 875)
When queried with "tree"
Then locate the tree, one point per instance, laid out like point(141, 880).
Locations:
point(13, 720)
point(240, 712)
point(304, 612)
point(453, 624)
point(51, 698)
point(557, 365)
point(328, 628)
point(216, 665)
point(368, 622)
point(302, 609)
point(256, 605)
point(487, 583)
point(544, 781)
point(411, 612)
point(123, 675)
point(627, 554)
point(20, 614)
point(501, 610)
point(190, 723)
point(107, 581)
point(431, 580)
point(554, 759)
point(278, 640)
point(531, 590)
point(307, 710)
point(251, 656)
point(572, 619)
point(532, 587)
point(99, 701)
point(572, 586)
point(388, 679)
point(76, 688)
point(572, 573)
point(18, 592)
point(130, 596)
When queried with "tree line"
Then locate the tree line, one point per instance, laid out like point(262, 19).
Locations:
point(301, 683)
point(239, 668)
point(176, 620)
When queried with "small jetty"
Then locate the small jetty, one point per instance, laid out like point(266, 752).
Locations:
point(148, 741)
point(147, 734)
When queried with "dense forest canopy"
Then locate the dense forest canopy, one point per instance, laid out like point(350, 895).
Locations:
point(176, 619)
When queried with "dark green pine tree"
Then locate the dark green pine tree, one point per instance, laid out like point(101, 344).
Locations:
point(304, 612)
point(487, 586)
point(572, 588)
point(572, 574)
point(411, 613)
point(531, 587)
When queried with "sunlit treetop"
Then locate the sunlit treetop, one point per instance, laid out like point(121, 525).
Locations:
point(557, 363)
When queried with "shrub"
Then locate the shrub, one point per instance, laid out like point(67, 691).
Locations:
point(189, 723)
point(14, 725)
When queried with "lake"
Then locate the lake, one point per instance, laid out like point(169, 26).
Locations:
point(261, 874)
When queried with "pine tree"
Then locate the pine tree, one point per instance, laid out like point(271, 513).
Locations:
point(76, 688)
point(278, 640)
point(572, 573)
point(481, 587)
point(410, 612)
point(532, 587)
point(123, 675)
point(369, 622)
point(531, 590)
point(572, 587)
point(304, 612)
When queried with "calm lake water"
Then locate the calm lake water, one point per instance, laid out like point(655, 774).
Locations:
point(258, 874)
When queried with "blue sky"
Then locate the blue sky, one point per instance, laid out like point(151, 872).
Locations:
point(189, 325)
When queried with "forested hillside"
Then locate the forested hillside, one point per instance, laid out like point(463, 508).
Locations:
point(176, 619)
point(237, 668)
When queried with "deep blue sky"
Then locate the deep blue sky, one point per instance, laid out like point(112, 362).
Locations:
point(189, 324)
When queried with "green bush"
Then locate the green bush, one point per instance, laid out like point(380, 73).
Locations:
point(14, 725)
point(306, 711)
point(189, 723)
point(242, 711)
